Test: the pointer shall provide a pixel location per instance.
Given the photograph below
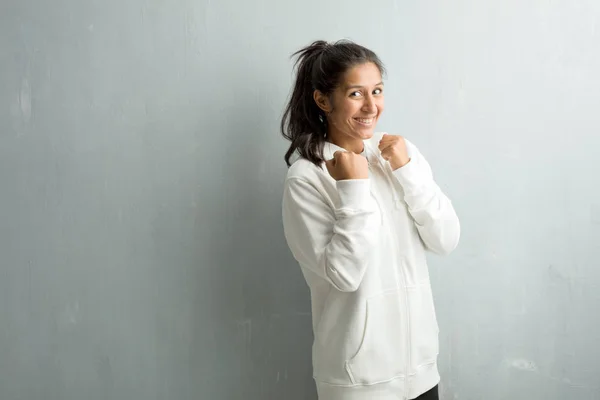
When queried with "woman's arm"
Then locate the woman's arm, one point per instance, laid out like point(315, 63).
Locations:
point(332, 243)
point(434, 215)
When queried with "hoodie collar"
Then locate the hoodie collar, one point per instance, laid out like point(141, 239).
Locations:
point(372, 158)
point(329, 149)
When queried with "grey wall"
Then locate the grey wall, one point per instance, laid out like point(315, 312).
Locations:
point(141, 250)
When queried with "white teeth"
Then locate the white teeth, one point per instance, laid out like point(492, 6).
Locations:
point(364, 120)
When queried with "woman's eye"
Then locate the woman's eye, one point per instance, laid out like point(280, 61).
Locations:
point(355, 94)
point(378, 91)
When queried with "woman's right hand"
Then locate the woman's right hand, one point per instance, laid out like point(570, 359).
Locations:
point(347, 165)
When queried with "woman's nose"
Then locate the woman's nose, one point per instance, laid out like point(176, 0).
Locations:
point(369, 105)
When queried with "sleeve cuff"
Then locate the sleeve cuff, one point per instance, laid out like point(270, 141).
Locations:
point(354, 193)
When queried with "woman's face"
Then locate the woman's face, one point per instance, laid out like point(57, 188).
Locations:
point(354, 107)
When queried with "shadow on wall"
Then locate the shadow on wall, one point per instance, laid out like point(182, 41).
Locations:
point(259, 330)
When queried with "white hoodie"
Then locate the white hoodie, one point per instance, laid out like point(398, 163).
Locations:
point(361, 247)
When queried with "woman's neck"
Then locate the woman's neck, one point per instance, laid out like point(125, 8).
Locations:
point(351, 144)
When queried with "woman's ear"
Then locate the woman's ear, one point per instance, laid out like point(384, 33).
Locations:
point(322, 101)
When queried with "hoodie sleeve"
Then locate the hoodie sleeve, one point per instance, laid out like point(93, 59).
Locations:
point(432, 211)
point(332, 243)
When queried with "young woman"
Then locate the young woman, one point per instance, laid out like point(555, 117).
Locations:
point(360, 209)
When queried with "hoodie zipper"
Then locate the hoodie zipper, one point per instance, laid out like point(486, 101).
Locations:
point(397, 275)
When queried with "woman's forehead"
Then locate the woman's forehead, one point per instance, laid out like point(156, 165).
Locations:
point(363, 75)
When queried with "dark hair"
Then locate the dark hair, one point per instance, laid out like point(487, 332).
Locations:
point(320, 66)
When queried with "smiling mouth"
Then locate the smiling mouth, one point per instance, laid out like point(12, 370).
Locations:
point(365, 121)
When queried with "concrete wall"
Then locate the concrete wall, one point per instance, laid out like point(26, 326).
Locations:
point(141, 169)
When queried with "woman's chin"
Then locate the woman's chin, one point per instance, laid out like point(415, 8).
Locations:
point(366, 133)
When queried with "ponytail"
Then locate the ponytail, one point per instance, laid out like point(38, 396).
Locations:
point(303, 122)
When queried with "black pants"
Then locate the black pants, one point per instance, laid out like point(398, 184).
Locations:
point(430, 395)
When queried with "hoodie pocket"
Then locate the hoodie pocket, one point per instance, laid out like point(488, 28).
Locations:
point(382, 354)
point(423, 326)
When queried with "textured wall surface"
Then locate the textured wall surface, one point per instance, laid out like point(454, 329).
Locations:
point(141, 171)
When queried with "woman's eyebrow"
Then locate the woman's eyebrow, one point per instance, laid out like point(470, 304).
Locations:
point(360, 86)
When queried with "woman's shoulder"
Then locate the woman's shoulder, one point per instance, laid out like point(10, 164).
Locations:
point(304, 170)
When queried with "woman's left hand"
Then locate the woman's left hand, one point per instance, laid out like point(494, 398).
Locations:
point(393, 149)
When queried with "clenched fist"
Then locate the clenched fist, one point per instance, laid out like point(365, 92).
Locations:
point(347, 165)
point(393, 149)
